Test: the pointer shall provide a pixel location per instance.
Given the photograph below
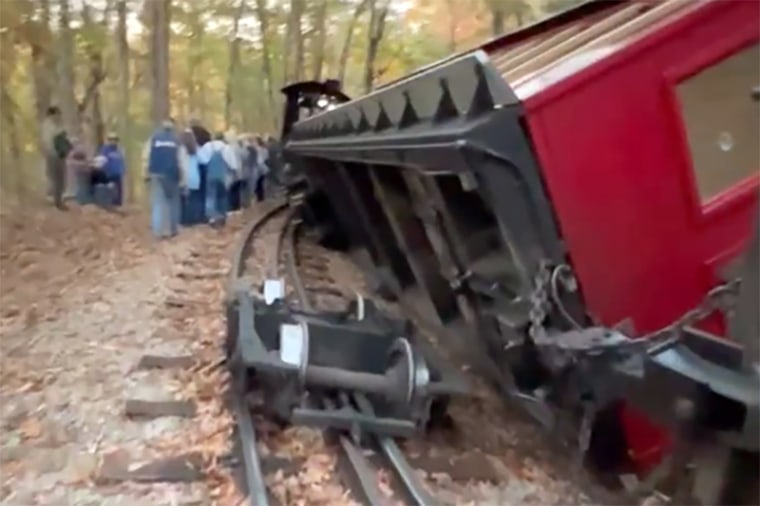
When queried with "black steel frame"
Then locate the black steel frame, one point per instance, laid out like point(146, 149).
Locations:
point(460, 118)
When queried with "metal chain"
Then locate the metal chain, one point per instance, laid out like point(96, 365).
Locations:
point(722, 297)
point(539, 301)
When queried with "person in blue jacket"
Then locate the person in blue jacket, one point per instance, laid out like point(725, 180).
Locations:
point(114, 166)
point(165, 160)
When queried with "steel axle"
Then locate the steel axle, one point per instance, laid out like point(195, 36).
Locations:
point(405, 375)
point(392, 384)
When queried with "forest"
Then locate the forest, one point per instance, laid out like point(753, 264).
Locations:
point(122, 65)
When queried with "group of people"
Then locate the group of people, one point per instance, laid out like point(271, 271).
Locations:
point(70, 169)
point(196, 178)
point(193, 178)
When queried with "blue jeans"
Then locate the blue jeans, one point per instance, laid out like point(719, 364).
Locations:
point(118, 189)
point(192, 208)
point(165, 206)
point(83, 188)
point(217, 199)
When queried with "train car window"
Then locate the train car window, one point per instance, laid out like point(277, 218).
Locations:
point(721, 122)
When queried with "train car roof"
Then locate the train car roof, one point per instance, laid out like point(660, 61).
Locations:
point(541, 26)
point(544, 60)
point(539, 55)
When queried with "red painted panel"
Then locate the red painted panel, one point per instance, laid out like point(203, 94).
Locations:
point(613, 152)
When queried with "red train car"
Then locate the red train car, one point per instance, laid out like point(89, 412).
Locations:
point(596, 170)
point(657, 117)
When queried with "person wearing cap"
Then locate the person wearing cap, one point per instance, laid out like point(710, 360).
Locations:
point(114, 166)
point(165, 159)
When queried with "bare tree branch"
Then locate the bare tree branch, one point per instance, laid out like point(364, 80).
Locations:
point(90, 91)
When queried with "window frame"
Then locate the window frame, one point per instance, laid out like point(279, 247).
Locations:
point(740, 192)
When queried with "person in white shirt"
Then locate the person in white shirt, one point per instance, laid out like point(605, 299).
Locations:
point(222, 169)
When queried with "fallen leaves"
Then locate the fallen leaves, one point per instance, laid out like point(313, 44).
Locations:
point(315, 483)
point(193, 310)
point(30, 428)
point(45, 254)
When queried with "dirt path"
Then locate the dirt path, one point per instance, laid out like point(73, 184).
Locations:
point(66, 374)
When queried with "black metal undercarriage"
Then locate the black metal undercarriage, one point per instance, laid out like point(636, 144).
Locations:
point(299, 356)
point(433, 185)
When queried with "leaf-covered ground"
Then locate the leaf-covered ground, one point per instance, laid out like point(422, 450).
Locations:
point(84, 294)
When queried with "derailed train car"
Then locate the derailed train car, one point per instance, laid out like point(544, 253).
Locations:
point(571, 203)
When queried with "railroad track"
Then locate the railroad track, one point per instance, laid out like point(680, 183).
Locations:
point(304, 270)
point(275, 246)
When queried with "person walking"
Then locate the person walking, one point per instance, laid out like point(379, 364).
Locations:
point(55, 149)
point(234, 189)
point(166, 164)
point(193, 201)
point(222, 168)
point(202, 137)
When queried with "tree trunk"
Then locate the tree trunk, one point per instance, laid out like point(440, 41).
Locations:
point(197, 89)
point(498, 10)
point(192, 65)
point(125, 123)
point(91, 100)
point(266, 57)
point(160, 20)
point(502, 9)
point(9, 131)
point(453, 21)
point(8, 110)
point(287, 45)
point(318, 41)
point(346, 49)
point(299, 40)
point(497, 22)
point(66, 81)
point(43, 66)
point(293, 44)
point(376, 29)
point(233, 65)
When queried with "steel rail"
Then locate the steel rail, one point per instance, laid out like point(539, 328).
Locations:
point(244, 247)
point(364, 483)
point(254, 477)
point(360, 467)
